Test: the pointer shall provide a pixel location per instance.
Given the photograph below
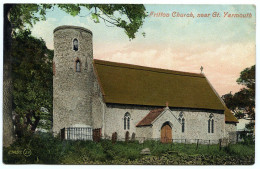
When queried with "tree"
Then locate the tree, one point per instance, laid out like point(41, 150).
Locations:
point(243, 102)
point(32, 82)
point(17, 17)
point(129, 17)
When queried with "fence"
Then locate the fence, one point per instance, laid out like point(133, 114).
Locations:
point(87, 133)
point(81, 133)
point(185, 142)
point(77, 133)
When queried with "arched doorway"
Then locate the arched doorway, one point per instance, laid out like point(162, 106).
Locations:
point(166, 133)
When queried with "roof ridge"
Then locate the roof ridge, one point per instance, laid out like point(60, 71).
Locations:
point(146, 68)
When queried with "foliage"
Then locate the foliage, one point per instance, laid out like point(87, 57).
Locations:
point(247, 78)
point(244, 100)
point(32, 80)
point(17, 18)
point(43, 147)
point(250, 125)
point(129, 17)
point(239, 115)
point(46, 149)
point(248, 139)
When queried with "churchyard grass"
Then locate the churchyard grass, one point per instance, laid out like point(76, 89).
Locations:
point(44, 149)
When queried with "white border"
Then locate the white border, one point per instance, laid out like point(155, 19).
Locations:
point(256, 2)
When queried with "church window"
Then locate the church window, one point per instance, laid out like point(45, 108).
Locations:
point(183, 125)
point(182, 121)
point(78, 65)
point(75, 44)
point(127, 121)
point(211, 124)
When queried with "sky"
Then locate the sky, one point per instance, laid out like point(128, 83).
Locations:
point(224, 46)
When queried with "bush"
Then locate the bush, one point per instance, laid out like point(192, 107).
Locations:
point(38, 148)
point(240, 150)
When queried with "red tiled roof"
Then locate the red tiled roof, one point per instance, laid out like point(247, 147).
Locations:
point(150, 117)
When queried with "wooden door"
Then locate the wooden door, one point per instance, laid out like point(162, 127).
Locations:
point(166, 134)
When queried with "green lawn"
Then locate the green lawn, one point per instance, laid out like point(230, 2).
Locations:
point(44, 149)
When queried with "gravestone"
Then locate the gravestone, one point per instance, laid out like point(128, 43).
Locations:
point(146, 151)
point(114, 137)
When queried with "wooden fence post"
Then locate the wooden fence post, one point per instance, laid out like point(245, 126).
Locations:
point(197, 144)
point(220, 144)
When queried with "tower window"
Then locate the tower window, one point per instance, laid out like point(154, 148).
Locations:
point(77, 65)
point(75, 45)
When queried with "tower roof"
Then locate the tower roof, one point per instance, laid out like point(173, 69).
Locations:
point(72, 27)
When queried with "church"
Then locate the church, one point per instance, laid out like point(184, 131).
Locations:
point(141, 102)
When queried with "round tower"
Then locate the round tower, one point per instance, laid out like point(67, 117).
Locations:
point(72, 77)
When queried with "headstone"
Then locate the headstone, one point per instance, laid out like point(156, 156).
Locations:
point(224, 142)
point(133, 137)
point(141, 140)
point(145, 151)
point(97, 134)
point(127, 136)
point(114, 137)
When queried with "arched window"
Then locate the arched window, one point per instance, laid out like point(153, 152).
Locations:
point(78, 65)
point(183, 125)
point(127, 121)
point(211, 124)
point(75, 44)
point(182, 121)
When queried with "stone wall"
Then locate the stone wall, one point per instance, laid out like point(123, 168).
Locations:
point(114, 118)
point(145, 131)
point(196, 122)
point(230, 131)
point(72, 101)
point(98, 106)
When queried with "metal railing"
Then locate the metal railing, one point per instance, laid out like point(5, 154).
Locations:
point(77, 133)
